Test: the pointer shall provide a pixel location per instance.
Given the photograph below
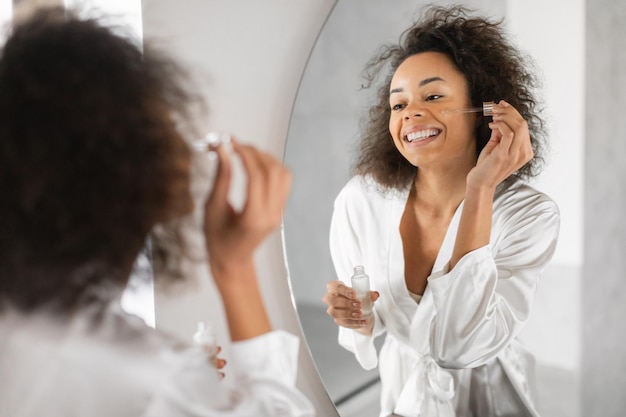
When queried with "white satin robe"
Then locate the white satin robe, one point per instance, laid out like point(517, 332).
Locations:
point(110, 364)
point(455, 353)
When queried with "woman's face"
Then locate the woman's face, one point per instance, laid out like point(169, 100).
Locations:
point(423, 89)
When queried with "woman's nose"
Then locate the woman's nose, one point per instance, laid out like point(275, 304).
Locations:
point(413, 110)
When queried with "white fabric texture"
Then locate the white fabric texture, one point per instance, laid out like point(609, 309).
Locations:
point(455, 353)
point(105, 363)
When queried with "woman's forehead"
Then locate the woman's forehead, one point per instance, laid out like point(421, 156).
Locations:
point(426, 68)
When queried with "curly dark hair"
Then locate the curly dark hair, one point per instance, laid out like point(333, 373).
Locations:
point(493, 68)
point(91, 155)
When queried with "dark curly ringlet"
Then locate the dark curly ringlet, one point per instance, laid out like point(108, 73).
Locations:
point(91, 157)
point(494, 70)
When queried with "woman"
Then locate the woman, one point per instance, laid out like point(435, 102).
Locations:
point(93, 163)
point(438, 212)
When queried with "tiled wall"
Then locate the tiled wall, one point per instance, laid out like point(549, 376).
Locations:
point(604, 278)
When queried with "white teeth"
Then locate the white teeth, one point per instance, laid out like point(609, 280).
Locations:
point(421, 135)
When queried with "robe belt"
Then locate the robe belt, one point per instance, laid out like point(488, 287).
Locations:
point(427, 392)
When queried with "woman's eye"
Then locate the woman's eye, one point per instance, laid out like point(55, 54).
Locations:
point(433, 97)
point(397, 107)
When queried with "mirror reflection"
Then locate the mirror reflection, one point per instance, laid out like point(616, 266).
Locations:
point(326, 125)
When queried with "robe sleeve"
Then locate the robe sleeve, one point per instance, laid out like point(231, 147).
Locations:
point(347, 229)
point(485, 300)
point(264, 368)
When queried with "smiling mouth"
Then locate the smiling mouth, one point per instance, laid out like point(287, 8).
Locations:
point(421, 135)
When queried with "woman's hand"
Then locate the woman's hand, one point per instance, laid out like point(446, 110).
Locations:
point(508, 149)
point(345, 308)
point(231, 236)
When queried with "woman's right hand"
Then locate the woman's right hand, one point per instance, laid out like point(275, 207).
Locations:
point(231, 236)
point(345, 308)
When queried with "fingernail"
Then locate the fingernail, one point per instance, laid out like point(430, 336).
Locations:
point(355, 304)
point(350, 295)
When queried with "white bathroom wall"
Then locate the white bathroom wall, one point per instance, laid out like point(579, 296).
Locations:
point(6, 13)
point(603, 377)
point(559, 52)
point(554, 331)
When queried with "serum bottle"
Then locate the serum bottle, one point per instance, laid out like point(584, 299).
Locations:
point(361, 286)
point(205, 337)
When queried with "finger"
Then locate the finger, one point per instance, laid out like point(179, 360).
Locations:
point(223, 175)
point(514, 149)
point(504, 112)
point(339, 288)
point(495, 137)
point(505, 135)
point(340, 302)
point(351, 323)
point(374, 295)
point(269, 183)
point(256, 174)
point(503, 108)
point(343, 313)
point(520, 147)
point(220, 363)
point(331, 285)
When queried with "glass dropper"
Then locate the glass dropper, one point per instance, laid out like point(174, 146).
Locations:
point(486, 109)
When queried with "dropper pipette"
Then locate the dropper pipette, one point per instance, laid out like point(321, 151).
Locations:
point(486, 109)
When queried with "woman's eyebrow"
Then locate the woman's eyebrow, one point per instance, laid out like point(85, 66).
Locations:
point(421, 84)
point(430, 80)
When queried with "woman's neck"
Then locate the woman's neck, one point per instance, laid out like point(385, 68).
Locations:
point(439, 193)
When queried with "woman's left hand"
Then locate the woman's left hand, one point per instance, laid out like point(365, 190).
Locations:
point(508, 149)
